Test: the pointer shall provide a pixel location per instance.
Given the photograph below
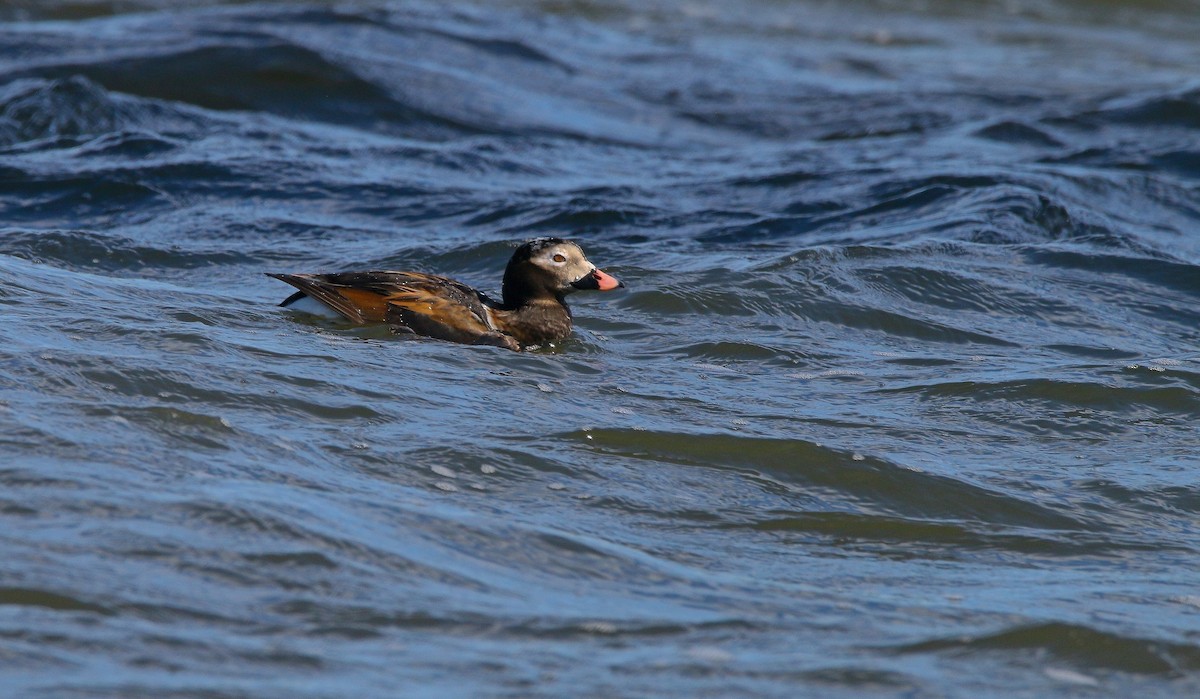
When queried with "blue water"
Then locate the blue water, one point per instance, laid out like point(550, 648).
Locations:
point(900, 399)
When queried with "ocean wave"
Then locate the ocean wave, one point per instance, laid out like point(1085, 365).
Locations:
point(899, 396)
point(830, 474)
point(88, 250)
point(1077, 645)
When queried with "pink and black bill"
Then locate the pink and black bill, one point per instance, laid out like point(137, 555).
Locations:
point(598, 281)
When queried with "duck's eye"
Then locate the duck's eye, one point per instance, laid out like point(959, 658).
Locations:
point(560, 258)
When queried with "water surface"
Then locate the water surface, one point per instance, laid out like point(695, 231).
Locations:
point(900, 401)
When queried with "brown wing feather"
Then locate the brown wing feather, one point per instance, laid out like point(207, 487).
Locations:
point(355, 304)
point(362, 296)
point(434, 315)
point(425, 304)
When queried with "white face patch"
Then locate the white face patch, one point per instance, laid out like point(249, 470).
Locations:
point(557, 255)
point(562, 262)
point(565, 261)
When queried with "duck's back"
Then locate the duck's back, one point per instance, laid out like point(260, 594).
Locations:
point(424, 304)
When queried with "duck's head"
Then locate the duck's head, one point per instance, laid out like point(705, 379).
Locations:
point(551, 267)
